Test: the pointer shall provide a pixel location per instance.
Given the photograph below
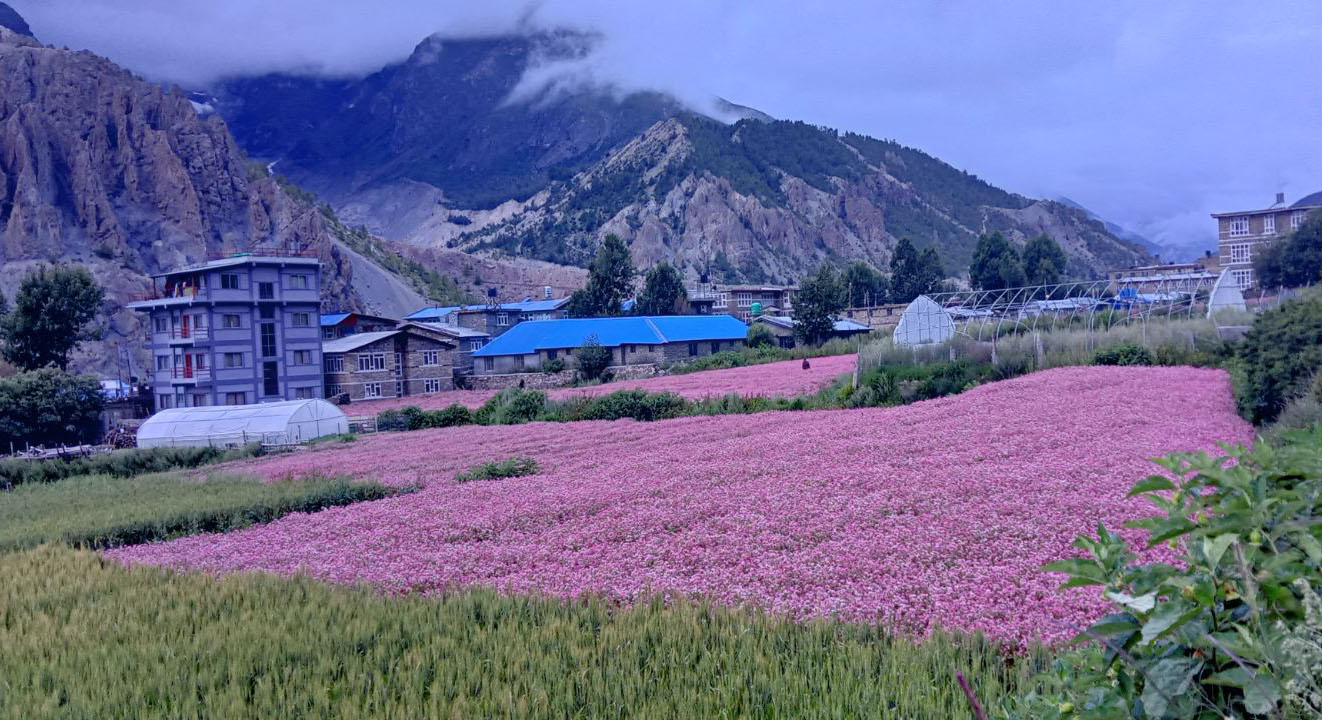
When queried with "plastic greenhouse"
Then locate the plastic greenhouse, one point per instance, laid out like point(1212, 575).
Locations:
point(277, 423)
point(924, 322)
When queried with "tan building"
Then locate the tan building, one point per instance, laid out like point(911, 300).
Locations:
point(738, 300)
point(388, 363)
point(1241, 234)
point(1171, 277)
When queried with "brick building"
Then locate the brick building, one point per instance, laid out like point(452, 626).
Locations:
point(343, 324)
point(738, 300)
point(1240, 234)
point(466, 340)
point(495, 318)
point(234, 331)
point(631, 340)
point(387, 363)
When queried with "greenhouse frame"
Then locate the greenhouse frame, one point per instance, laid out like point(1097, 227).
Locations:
point(278, 423)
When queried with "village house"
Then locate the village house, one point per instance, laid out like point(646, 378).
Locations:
point(1171, 277)
point(495, 318)
point(342, 324)
point(235, 331)
point(631, 341)
point(387, 363)
point(876, 316)
point(466, 340)
point(783, 328)
point(741, 300)
point(1241, 234)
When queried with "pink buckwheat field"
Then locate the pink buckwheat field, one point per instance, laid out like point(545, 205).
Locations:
point(786, 379)
point(939, 513)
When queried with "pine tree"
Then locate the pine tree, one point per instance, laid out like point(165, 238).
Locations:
point(905, 272)
point(819, 298)
point(610, 281)
point(663, 292)
point(1044, 261)
point(996, 264)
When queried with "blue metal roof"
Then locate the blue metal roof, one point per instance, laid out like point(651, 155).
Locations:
point(530, 305)
point(333, 319)
point(529, 337)
point(432, 313)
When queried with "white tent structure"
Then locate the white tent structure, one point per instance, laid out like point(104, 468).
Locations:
point(1226, 295)
point(924, 323)
point(277, 423)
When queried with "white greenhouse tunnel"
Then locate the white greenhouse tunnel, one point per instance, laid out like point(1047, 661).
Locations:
point(277, 423)
point(924, 323)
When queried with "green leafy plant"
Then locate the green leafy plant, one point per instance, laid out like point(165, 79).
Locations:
point(592, 359)
point(554, 365)
point(511, 467)
point(1200, 637)
point(1278, 358)
point(1126, 353)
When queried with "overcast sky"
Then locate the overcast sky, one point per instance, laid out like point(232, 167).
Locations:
point(1153, 114)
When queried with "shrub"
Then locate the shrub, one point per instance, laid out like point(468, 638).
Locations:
point(1277, 359)
point(50, 407)
point(636, 404)
point(1200, 637)
point(760, 335)
point(449, 416)
point(1126, 353)
point(511, 467)
point(119, 463)
point(511, 406)
point(412, 417)
point(592, 359)
point(554, 365)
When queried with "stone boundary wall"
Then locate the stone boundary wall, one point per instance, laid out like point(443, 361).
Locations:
point(564, 378)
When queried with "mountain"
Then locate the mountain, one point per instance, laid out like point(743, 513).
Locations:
point(1119, 231)
point(102, 168)
point(12, 21)
point(491, 146)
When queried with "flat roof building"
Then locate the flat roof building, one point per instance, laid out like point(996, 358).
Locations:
point(1241, 234)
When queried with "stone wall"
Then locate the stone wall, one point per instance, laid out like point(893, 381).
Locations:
point(564, 378)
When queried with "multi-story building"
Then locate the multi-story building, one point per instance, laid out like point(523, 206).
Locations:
point(739, 300)
point(1241, 234)
point(1171, 277)
point(388, 363)
point(235, 331)
point(495, 318)
point(341, 324)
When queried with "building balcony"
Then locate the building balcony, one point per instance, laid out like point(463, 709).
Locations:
point(187, 375)
point(182, 335)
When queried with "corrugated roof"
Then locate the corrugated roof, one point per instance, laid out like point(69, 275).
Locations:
point(349, 343)
point(432, 313)
point(454, 330)
point(333, 319)
point(531, 336)
point(1308, 200)
point(838, 325)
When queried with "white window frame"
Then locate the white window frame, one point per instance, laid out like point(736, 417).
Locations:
point(368, 362)
point(298, 282)
point(1239, 226)
point(475, 345)
point(232, 355)
point(162, 363)
point(1268, 224)
point(333, 389)
point(235, 318)
point(333, 363)
point(502, 319)
point(1243, 277)
point(241, 396)
point(301, 320)
point(230, 276)
point(518, 362)
point(1297, 219)
point(372, 390)
point(302, 357)
point(431, 358)
point(489, 364)
point(431, 385)
point(1241, 253)
point(162, 324)
point(304, 393)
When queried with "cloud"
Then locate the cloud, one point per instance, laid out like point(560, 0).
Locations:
point(1151, 114)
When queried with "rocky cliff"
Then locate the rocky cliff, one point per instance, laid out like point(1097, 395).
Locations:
point(102, 168)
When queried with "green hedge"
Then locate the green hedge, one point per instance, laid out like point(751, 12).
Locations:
point(1278, 358)
point(117, 463)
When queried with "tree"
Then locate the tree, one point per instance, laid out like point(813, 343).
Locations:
point(819, 298)
point(50, 407)
point(914, 273)
point(759, 335)
point(610, 281)
point(1044, 261)
point(52, 313)
point(592, 359)
point(996, 264)
point(663, 292)
point(1295, 260)
point(930, 272)
point(863, 285)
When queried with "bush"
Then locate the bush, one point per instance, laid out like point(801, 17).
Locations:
point(449, 416)
point(1200, 637)
point(760, 335)
point(1278, 358)
point(50, 407)
point(412, 417)
point(1123, 354)
point(636, 404)
point(118, 463)
point(512, 467)
point(592, 359)
point(511, 406)
point(554, 365)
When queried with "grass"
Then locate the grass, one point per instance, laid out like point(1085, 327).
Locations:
point(84, 637)
point(118, 463)
point(101, 511)
point(745, 356)
point(512, 467)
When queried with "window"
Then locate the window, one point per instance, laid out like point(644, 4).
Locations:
point(268, 340)
point(231, 321)
point(162, 324)
point(489, 364)
point(267, 313)
point(633, 349)
point(201, 400)
point(372, 390)
point(270, 378)
point(431, 357)
point(518, 362)
point(693, 349)
point(651, 348)
point(1240, 253)
point(1243, 278)
point(333, 363)
point(333, 390)
point(229, 281)
point(1269, 225)
point(265, 291)
point(431, 385)
point(1239, 226)
point(302, 357)
point(164, 402)
point(298, 282)
point(502, 319)
point(162, 362)
point(303, 393)
point(1297, 219)
point(371, 361)
point(200, 361)
point(302, 320)
point(234, 360)
point(475, 345)
point(399, 388)
point(551, 354)
point(743, 299)
point(328, 333)
point(236, 398)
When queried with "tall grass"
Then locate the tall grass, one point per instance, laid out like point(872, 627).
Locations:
point(102, 511)
point(1172, 342)
point(118, 463)
point(83, 637)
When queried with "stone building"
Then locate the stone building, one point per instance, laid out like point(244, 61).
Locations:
point(1241, 234)
point(387, 363)
point(739, 300)
point(342, 324)
point(234, 331)
point(495, 318)
point(631, 340)
point(466, 341)
point(783, 329)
